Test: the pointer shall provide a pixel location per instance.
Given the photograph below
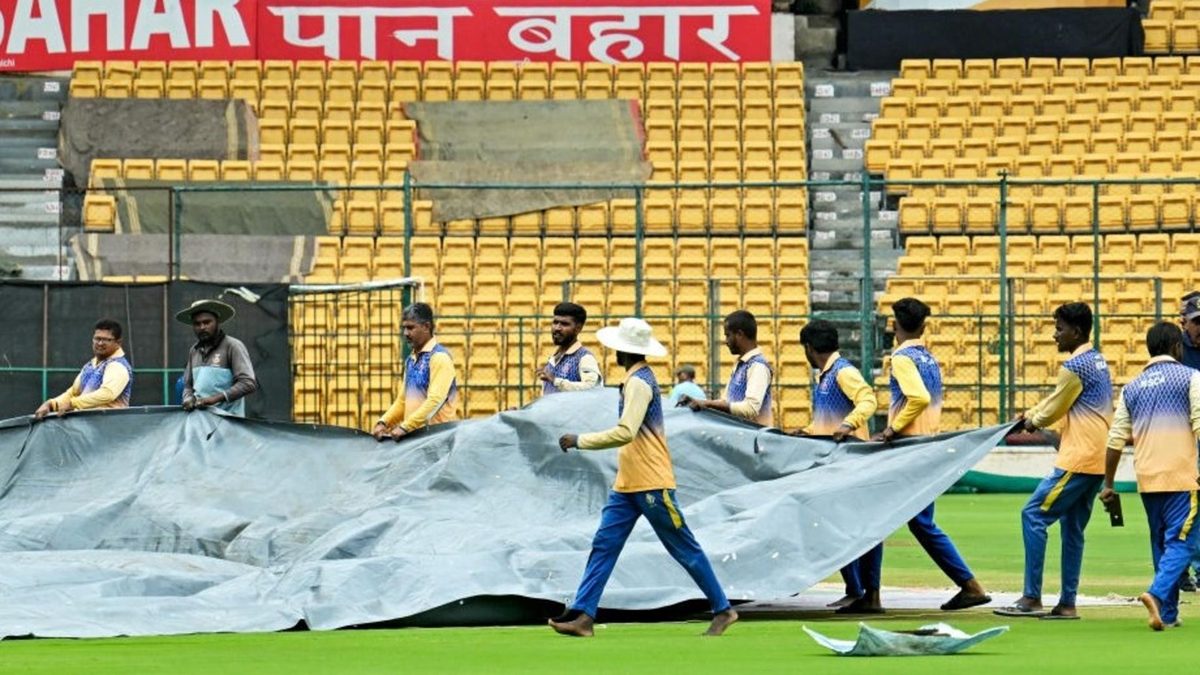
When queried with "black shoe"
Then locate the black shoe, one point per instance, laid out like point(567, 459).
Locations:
point(1187, 584)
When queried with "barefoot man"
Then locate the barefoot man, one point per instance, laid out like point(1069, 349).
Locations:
point(645, 486)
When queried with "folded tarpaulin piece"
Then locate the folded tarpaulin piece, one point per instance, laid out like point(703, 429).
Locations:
point(277, 208)
point(160, 128)
point(565, 152)
point(937, 639)
point(155, 521)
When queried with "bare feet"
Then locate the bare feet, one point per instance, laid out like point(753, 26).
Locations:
point(867, 604)
point(1155, 619)
point(573, 622)
point(845, 600)
point(721, 622)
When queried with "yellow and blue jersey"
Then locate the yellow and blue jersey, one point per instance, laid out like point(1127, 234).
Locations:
point(100, 384)
point(430, 390)
point(749, 390)
point(576, 369)
point(841, 396)
point(915, 382)
point(1083, 399)
point(1160, 411)
point(643, 461)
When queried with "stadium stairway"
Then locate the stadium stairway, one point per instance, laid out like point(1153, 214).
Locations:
point(841, 107)
point(30, 177)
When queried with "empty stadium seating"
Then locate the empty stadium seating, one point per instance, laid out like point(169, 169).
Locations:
point(1141, 276)
point(1068, 120)
point(1173, 26)
point(343, 123)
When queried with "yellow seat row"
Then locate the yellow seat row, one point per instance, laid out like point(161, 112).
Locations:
point(1179, 35)
point(1037, 156)
point(1068, 86)
point(1046, 214)
point(1032, 105)
point(1016, 68)
point(922, 128)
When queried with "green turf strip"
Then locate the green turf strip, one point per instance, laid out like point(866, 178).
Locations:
point(986, 528)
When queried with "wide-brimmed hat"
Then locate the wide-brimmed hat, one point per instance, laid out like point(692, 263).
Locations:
point(1191, 306)
point(222, 311)
point(632, 336)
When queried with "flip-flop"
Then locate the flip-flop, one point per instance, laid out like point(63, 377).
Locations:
point(963, 601)
point(1017, 610)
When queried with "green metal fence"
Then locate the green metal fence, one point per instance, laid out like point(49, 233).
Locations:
point(1000, 332)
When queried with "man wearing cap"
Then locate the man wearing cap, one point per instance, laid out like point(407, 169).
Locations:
point(218, 372)
point(1160, 412)
point(685, 385)
point(572, 367)
point(645, 486)
point(748, 394)
point(430, 387)
point(104, 382)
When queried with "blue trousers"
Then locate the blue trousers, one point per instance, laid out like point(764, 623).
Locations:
point(1066, 498)
point(617, 519)
point(850, 577)
point(1171, 516)
point(937, 545)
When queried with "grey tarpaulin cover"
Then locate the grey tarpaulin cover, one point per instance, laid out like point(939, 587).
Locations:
point(230, 207)
point(534, 143)
point(247, 258)
point(160, 128)
point(155, 521)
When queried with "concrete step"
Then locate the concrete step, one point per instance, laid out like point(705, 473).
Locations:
point(27, 181)
point(46, 272)
point(834, 145)
point(34, 88)
point(10, 201)
point(826, 174)
point(837, 163)
point(26, 126)
point(27, 166)
point(26, 220)
point(32, 110)
point(27, 149)
point(871, 86)
point(818, 107)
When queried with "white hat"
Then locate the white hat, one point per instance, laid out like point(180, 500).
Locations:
point(632, 336)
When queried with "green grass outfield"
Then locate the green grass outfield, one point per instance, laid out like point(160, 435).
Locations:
point(986, 528)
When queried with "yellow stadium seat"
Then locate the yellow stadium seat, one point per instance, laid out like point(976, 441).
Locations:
point(1176, 210)
point(269, 170)
point(978, 69)
point(99, 213)
point(1143, 212)
point(204, 170)
point(914, 215)
point(170, 169)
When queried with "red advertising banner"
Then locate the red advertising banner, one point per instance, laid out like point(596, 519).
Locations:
point(610, 31)
point(53, 34)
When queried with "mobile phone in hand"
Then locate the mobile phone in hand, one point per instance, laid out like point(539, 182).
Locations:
point(1116, 517)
